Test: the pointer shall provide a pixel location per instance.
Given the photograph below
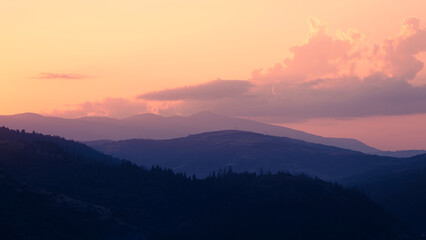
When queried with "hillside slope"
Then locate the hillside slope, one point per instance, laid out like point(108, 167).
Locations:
point(401, 189)
point(27, 212)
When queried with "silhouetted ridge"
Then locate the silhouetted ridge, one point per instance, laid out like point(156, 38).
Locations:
point(68, 146)
point(244, 151)
point(27, 212)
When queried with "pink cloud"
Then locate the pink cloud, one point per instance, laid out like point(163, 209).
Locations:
point(321, 56)
point(325, 56)
point(108, 107)
point(398, 54)
point(60, 76)
point(327, 76)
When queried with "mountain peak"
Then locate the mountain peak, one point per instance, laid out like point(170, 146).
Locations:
point(27, 115)
point(144, 116)
point(228, 133)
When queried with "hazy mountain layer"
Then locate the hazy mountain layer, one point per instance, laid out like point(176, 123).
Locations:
point(153, 126)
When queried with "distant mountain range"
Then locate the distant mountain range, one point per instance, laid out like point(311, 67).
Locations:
point(74, 192)
point(151, 126)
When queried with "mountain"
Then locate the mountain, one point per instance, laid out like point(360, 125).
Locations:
point(171, 206)
point(151, 126)
point(400, 154)
point(200, 154)
point(33, 139)
point(400, 188)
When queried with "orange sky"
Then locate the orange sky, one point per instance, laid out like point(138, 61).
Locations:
point(385, 133)
point(56, 54)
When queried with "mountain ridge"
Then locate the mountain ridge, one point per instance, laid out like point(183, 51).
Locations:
point(244, 151)
point(18, 121)
point(153, 126)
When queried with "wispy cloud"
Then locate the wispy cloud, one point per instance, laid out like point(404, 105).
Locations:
point(109, 107)
point(211, 90)
point(60, 76)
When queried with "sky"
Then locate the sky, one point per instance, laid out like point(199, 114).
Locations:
point(334, 68)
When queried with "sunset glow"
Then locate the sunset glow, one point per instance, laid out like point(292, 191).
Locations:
point(325, 67)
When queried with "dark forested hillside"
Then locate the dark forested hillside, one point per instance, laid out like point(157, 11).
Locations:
point(400, 189)
point(171, 206)
point(20, 140)
point(27, 212)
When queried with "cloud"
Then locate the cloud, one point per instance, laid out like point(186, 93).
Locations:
point(350, 97)
point(60, 76)
point(109, 107)
point(321, 56)
point(211, 90)
point(398, 54)
point(327, 76)
point(325, 56)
